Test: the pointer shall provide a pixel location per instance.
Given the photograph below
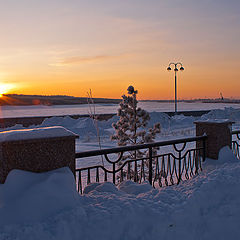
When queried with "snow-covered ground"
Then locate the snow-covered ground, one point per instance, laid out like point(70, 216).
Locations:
point(47, 206)
point(171, 126)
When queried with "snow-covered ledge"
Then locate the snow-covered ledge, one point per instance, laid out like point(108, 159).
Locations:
point(219, 134)
point(36, 150)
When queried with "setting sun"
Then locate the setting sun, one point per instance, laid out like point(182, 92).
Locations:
point(5, 88)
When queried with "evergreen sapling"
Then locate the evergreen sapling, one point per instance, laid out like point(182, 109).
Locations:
point(131, 128)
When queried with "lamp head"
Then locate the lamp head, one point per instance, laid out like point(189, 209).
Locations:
point(169, 69)
point(181, 68)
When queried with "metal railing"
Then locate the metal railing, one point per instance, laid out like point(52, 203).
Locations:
point(236, 143)
point(157, 164)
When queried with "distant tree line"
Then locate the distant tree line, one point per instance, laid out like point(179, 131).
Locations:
point(20, 99)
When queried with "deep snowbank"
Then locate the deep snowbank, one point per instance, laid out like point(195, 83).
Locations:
point(46, 206)
point(31, 197)
point(232, 114)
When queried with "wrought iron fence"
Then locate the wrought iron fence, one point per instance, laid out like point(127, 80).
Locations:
point(163, 163)
point(236, 143)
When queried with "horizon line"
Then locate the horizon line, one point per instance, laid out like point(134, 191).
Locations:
point(63, 95)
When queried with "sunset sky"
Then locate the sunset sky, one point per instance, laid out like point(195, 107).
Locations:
point(69, 46)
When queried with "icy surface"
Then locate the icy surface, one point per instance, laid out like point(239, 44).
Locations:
point(58, 110)
point(36, 133)
point(46, 206)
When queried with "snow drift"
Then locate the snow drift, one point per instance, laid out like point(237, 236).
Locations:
point(28, 197)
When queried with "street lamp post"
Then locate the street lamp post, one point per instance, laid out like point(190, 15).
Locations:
point(175, 70)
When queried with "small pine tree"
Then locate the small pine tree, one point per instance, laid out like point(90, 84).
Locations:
point(131, 127)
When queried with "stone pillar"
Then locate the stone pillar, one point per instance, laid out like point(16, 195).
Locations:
point(36, 150)
point(219, 134)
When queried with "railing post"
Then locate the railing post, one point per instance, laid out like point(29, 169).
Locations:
point(150, 165)
point(135, 172)
point(179, 167)
point(114, 177)
point(204, 149)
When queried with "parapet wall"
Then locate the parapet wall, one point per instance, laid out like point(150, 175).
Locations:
point(36, 150)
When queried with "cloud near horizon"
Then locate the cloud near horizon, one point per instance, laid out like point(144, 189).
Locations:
point(80, 60)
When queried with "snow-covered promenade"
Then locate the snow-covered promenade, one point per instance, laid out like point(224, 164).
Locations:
point(47, 205)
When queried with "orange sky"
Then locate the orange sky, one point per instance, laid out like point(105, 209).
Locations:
point(67, 47)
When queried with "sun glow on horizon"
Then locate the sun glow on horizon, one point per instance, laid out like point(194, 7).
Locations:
point(5, 88)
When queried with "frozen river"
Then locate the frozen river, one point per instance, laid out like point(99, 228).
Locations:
point(57, 110)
